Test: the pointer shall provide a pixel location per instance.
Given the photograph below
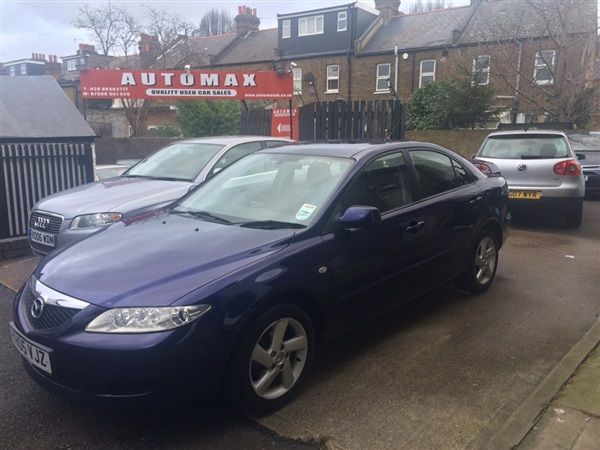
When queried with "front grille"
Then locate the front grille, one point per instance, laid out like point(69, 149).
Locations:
point(52, 316)
point(40, 247)
point(52, 223)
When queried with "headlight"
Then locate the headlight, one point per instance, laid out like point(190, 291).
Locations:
point(145, 320)
point(94, 220)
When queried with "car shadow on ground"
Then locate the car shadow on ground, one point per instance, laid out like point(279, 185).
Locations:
point(335, 355)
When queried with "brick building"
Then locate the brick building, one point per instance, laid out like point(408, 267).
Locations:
point(349, 52)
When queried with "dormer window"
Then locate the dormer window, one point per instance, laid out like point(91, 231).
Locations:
point(342, 23)
point(308, 26)
point(286, 29)
point(71, 64)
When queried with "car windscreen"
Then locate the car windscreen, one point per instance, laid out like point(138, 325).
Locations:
point(584, 142)
point(181, 161)
point(530, 146)
point(268, 190)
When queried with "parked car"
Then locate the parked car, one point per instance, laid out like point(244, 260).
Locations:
point(158, 179)
point(587, 150)
point(542, 171)
point(232, 284)
point(105, 171)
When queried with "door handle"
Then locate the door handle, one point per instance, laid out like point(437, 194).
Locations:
point(413, 227)
point(475, 200)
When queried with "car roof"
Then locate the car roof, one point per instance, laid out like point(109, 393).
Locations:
point(228, 140)
point(345, 150)
point(528, 131)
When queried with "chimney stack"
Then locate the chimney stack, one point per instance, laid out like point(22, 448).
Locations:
point(149, 49)
point(387, 8)
point(246, 21)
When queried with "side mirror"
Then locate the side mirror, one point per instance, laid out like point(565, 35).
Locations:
point(360, 217)
point(474, 155)
point(580, 156)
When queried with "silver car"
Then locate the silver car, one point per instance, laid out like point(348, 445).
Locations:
point(156, 180)
point(542, 172)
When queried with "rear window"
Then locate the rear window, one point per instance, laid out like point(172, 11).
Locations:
point(531, 146)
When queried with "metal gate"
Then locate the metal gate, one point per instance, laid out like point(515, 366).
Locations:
point(30, 171)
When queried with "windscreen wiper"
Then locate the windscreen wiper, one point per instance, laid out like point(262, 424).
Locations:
point(271, 224)
point(202, 215)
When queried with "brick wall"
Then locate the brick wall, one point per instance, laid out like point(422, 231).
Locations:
point(463, 142)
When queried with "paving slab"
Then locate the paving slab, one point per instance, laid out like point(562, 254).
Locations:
point(583, 390)
point(14, 272)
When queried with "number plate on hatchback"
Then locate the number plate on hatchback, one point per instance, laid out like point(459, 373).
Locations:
point(525, 195)
point(36, 354)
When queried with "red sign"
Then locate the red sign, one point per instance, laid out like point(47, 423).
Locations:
point(183, 84)
point(280, 123)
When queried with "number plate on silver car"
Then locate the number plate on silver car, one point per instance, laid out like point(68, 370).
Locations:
point(41, 238)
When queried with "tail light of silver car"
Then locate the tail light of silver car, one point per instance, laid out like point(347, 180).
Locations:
point(569, 167)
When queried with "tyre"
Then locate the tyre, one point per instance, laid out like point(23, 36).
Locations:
point(574, 219)
point(481, 269)
point(271, 359)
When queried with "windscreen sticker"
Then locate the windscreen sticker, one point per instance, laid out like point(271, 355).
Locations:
point(305, 211)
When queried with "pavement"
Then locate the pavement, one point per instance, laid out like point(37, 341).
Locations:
point(500, 370)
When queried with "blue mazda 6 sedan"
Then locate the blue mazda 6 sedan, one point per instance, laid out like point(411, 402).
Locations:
point(228, 289)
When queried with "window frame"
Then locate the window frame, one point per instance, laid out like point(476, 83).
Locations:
point(344, 20)
point(336, 78)
point(297, 80)
point(544, 65)
point(12, 70)
point(379, 77)
point(304, 21)
point(426, 74)
point(23, 69)
point(71, 64)
point(286, 25)
point(472, 178)
point(485, 71)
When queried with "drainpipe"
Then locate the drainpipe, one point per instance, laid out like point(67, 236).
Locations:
point(518, 80)
point(352, 22)
point(395, 68)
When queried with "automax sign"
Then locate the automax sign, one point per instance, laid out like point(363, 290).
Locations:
point(183, 84)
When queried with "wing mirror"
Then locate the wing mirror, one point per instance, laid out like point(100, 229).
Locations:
point(360, 217)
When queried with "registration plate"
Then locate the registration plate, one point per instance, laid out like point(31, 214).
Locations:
point(41, 237)
point(36, 354)
point(525, 195)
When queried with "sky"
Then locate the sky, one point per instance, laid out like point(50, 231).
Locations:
point(33, 26)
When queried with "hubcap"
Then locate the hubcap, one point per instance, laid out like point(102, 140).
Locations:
point(278, 358)
point(485, 260)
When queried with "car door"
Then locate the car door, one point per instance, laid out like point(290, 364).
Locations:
point(451, 203)
point(376, 269)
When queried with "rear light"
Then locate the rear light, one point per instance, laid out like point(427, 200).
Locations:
point(483, 167)
point(569, 167)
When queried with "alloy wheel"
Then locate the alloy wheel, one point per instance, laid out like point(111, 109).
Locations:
point(278, 358)
point(486, 259)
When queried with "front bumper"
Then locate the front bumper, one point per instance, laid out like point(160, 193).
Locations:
point(172, 366)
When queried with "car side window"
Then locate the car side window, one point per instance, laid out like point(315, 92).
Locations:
point(436, 172)
point(234, 154)
point(384, 183)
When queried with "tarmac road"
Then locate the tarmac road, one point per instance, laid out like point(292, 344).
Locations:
point(443, 372)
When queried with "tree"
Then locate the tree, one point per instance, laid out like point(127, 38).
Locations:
point(114, 30)
point(563, 51)
point(215, 22)
point(451, 103)
point(208, 118)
